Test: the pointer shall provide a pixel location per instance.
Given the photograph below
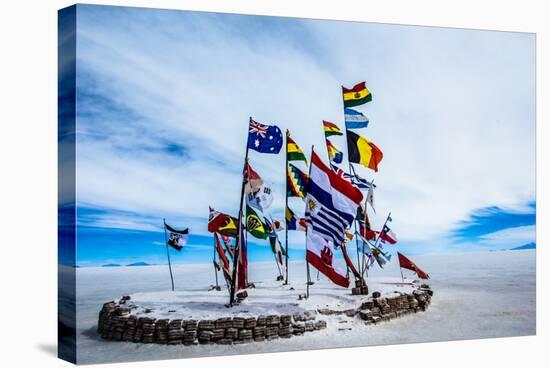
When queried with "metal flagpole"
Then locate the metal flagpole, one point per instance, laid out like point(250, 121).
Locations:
point(274, 248)
point(378, 237)
point(286, 206)
point(236, 253)
point(214, 264)
point(307, 263)
point(168, 254)
point(401, 270)
point(354, 220)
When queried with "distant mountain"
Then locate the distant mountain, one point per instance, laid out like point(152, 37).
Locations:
point(111, 265)
point(139, 264)
point(526, 246)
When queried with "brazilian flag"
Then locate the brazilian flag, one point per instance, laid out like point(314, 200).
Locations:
point(254, 224)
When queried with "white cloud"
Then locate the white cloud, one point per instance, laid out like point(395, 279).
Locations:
point(453, 112)
point(510, 237)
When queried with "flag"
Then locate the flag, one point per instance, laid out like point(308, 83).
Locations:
point(366, 231)
point(222, 223)
point(228, 246)
point(356, 96)
point(254, 224)
point(370, 198)
point(349, 263)
point(252, 181)
point(241, 260)
point(341, 173)
point(278, 250)
point(176, 238)
point(277, 226)
point(362, 151)
point(355, 120)
point(260, 200)
point(331, 129)
point(296, 182)
point(331, 202)
point(264, 138)
point(359, 181)
point(371, 251)
point(365, 249)
point(364, 224)
point(320, 254)
point(224, 260)
point(294, 153)
point(276, 246)
point(406, 263)
point(294, 223)
point(387, 235)
point(334, 154)
point(377, 254)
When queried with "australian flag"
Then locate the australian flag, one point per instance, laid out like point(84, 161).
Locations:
point(176, 238)
point(264, 138)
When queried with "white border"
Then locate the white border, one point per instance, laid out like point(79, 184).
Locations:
point(28, 82)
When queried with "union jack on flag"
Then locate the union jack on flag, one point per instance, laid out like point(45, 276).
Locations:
point(257, 128)
point(264, 138)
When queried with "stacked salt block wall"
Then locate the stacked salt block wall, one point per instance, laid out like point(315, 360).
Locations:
point(116, 322)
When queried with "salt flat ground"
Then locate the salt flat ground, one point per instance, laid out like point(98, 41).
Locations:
point(479, 295)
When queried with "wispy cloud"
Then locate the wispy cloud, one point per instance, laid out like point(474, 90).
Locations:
point(164, 99)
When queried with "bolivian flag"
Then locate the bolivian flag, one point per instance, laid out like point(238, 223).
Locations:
point(356, 96)
point(331, 129)
point(362, 151)
point(293, 152)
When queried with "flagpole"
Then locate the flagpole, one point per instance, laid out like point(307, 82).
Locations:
point(307, 263)
point(286, 206)
point(214, 264)
point(361, 271)
point(380, 233)
point(238, 245)
point(364, 267)
point(223, 271)
point(168, 254)
point(401, 270)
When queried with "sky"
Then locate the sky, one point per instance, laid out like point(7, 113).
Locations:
point(164, 98)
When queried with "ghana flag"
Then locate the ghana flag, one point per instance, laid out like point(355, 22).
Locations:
point(362, 151)
point(356, 96)
point(331, 129)
point(293, 151)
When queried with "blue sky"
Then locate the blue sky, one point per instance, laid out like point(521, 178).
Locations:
point(164, 99)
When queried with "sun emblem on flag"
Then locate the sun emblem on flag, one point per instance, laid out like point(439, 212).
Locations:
point(312, 205)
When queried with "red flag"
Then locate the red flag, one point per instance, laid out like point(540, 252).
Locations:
point(349, 263)
point(241, 256)
point(387, 235)
point(406, 263)
point(226, 266)
point(319, 253)
point(252, 181)
point(222, 223)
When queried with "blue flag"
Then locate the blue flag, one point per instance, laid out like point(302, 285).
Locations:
point(264, 138)
point(355, 120)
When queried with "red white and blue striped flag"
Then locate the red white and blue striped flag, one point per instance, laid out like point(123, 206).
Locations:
point(331, 207)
